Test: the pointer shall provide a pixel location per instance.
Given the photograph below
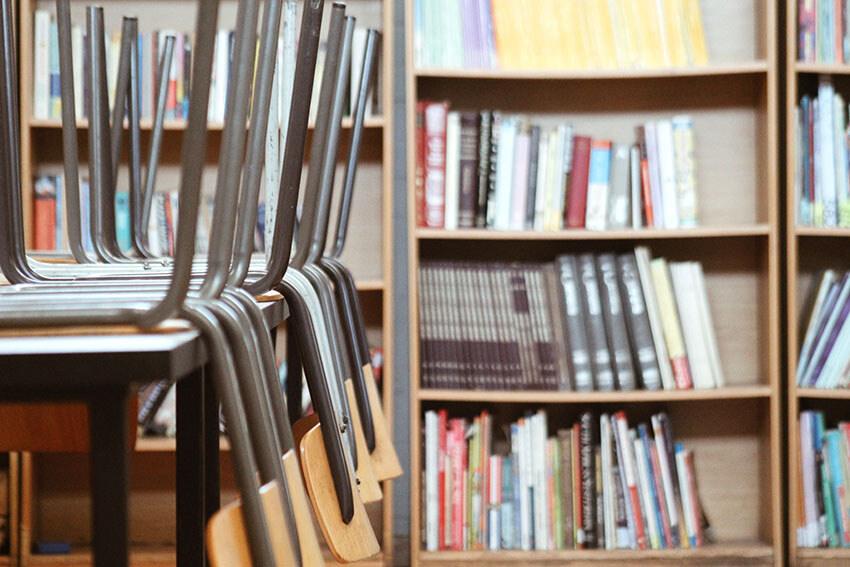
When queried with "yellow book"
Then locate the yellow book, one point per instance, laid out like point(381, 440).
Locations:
point(698, 52)
point(524, 41)
point(624, 33)
point(673, 37)
point(547, 39)
point(502, 33)
point(601, 35)
point(671, 323)
point(644, 13)
point(574, 34)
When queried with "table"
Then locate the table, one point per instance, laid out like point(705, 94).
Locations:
point(103, 371)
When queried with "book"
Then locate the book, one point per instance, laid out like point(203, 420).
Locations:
point(637, 323)
point(575, 214)
point(469, 169)
point(452, 171)
point(671, 323)
point(598, 185)
point(435, 164)
point(615, 322)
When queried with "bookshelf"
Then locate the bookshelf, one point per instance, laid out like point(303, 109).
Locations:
point(809, 250)
point(60, 503)
point(736, 432)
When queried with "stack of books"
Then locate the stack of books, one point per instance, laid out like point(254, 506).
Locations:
point(823, 34)
point(558, 34)
point(585, 322)
point(596, 485)
point(822, 185)
point(47, 102)
point(824, 360)
point(496, 170)
point(824, 464)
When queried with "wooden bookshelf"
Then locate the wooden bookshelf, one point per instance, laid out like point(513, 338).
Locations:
point(62, 512)
point(735, 432)
point(809, 250)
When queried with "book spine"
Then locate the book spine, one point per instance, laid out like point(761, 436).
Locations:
point(452, 171)
point(484, 140)
point(419, 165)
point(41, 64)
point(645, 180)
point(637, 323)
point(575, 316)
point(533, 161)
point(615, 322)
point(442, 418)
point(431, 480)
point(671, 323)
point(578, 183)
point(598, 188)
point(436, 114)
point(619, 211)
point(588, 479)
point(685, 166)
point(600, 356)
point(631, 480)
point(469, 138)
point(493, 173)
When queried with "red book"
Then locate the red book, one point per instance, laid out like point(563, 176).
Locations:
point(646, 190)
point(695, 503)
point(458, 459)
point(44, 210)
point(441, 476)
point(838, 15)
point(626, 446)
point(578, 182)
point(419, 168)
point(485, 476)
point(169, 223)
point(436, 114)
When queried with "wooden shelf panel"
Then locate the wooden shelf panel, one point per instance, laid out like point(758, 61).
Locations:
point(722, 554)
point(823, 393)
point(168, 444)
point(370, 285)
point(822, 556)
point(744, 68)
point(548, 397)
point(822, 231)
point(582, 234)
point(822, 68)
point(178, 125)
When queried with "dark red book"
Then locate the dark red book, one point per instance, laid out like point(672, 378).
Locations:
point(469, 124)
point(419, 171)
point(442, 417)
point(436, 114)
point(578, 182)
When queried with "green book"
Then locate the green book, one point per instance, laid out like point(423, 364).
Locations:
point(556, 497)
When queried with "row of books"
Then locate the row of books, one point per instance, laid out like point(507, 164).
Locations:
point(596, 485)
point(823, 35)
point(824, 360)
point(824, 473)
point(501, 171)
point(558, 34)
point(822, 180)
point(46, 86)
point(51, 224)
point(585, 322)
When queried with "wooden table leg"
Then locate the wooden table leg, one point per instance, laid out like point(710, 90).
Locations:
point(109, 474)
point(191, 516)
point(212, 471)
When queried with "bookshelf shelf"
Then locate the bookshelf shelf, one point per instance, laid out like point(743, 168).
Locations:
point(544, 397)
point(746, 68)
point(819, 231)
point(821, 68)
point(725, 554)
point(168, 444)
point(581, 234)
point(823, 393)
point(180, 125)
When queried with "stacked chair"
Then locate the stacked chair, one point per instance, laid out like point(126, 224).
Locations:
point(326, 464)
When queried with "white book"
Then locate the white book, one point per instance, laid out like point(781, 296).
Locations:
point(708, 324)
point(287, 76)
point(643, 259)
point(542, 169)
point(686, 495)
point(839, 120)
point(837, 359)
point(504, 172)
point(684, 291)
point(539, 474)
point(808, 378)
point(645, 493)
point(452, 170)
point(432, 504)
point(634, 188)
point(41, 62)
point(79, 80)
point(667, 173)
point(552, 166)
point(556, 189)
point(598, 185)
point(566, 168)
point(827, 171)
point(654, 175)
point(817, 207)
point(807, 459)
point(494, 513)
point(545, 503)
point(524, 488)
point(272, 163)
point(519, 186)
point(222, 71)
point(630, 539)
point(827, 281)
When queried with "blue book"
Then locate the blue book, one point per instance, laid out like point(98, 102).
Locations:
point(507, 507)
point(122, 220)
point(55, 101)
point(516, 485)
point(655, 513)
point(85, 215)
point(833, 442)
